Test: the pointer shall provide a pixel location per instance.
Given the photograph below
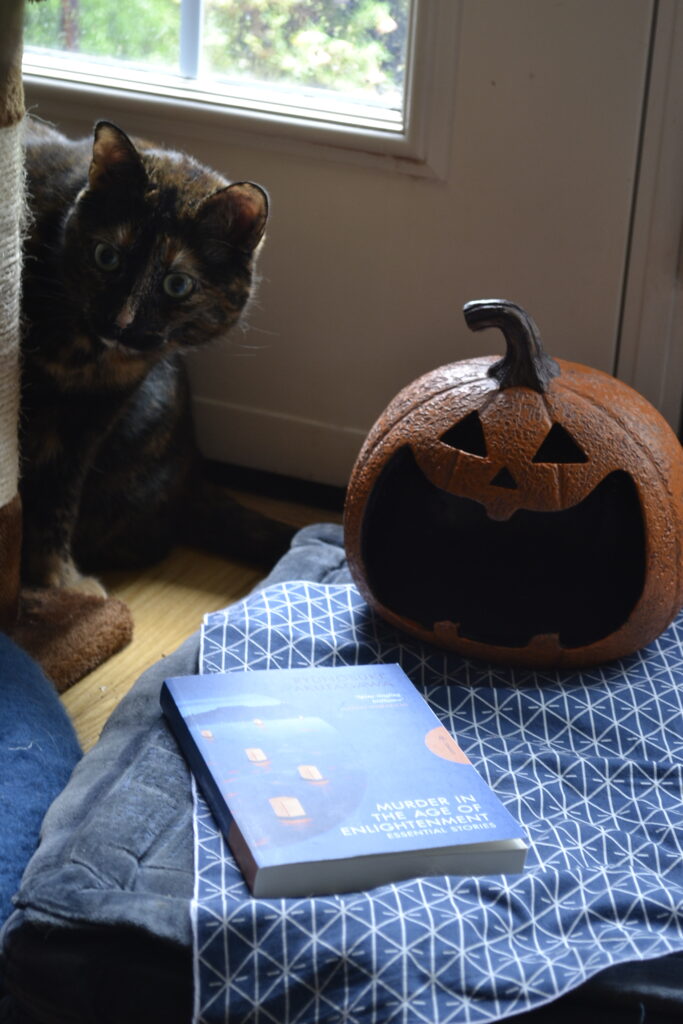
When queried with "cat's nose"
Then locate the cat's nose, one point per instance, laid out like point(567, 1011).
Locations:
point(126, 315)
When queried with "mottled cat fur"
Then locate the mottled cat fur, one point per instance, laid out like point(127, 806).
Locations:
point(134, 254)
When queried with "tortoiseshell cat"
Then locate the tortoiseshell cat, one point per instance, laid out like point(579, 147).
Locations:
point(134, 255)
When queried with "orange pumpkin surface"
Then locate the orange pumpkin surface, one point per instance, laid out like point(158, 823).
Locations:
point(524, 510)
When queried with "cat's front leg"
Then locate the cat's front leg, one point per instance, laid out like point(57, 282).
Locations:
point(48, 563)
point(50, 489)
point(60, 571)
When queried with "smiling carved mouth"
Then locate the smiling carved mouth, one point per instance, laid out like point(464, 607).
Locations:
point(434, 557)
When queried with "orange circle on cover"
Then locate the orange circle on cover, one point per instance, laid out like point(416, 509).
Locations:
point(441, 743)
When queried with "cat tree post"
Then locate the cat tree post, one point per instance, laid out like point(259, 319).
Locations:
point(11, 220)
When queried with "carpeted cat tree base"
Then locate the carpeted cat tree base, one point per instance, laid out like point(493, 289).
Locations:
point(68, 633)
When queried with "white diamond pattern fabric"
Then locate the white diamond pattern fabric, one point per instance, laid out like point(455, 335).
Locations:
point(590, 763)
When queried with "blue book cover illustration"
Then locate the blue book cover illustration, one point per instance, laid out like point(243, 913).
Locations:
point(327, 779)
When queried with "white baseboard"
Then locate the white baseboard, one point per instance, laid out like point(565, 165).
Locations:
point(276, 442)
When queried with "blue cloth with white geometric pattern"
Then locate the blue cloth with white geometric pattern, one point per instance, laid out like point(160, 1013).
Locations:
point(590, 763)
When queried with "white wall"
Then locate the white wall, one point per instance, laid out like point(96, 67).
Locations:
point(365, 270)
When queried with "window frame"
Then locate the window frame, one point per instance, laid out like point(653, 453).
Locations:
point(421, 148)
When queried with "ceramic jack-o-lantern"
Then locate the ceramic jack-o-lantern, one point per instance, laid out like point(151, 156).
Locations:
point(524, 510)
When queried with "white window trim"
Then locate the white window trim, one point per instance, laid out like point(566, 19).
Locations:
point(421, 149)
point(650, 356)
point(191, 15)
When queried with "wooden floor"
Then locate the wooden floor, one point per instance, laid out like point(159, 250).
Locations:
point(168, 603)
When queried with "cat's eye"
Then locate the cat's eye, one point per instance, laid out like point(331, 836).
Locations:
point(178, 286)
point(107, 257)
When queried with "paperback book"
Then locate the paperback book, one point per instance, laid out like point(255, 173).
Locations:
point(331, 780)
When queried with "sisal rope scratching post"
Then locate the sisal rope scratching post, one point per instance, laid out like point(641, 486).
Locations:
point(11, 224)
point(69, 633)
point(11, 216)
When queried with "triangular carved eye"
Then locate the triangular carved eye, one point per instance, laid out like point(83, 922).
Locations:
point(559, 446)
point(467, 435)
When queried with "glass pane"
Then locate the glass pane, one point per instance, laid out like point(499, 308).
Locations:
point(144, 32)
point(339, 60)
point(352, 47)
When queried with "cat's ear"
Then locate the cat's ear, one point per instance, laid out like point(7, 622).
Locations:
point(237, 213)
point(115, 160)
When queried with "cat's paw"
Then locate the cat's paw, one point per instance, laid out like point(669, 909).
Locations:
point(64, 574)
point(88, 585)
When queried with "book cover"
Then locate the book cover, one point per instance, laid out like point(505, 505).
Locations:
point(330, 780)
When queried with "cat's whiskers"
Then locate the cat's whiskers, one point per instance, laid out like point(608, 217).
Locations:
point(109, 342)
point(251, 329)
point(127, 351)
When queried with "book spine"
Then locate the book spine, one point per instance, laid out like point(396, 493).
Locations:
point(208, 785)
point(195, 759)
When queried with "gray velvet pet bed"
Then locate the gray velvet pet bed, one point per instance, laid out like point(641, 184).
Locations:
point(102, 928)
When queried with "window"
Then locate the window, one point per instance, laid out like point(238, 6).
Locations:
point(373, 79)
point(339, 60)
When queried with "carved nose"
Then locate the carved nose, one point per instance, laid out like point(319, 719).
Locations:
point(504, 478)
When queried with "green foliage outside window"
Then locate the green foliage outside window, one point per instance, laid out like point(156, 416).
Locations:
point(144, 31)
point(352, 46)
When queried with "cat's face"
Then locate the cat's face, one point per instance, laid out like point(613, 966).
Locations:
point(159, 250)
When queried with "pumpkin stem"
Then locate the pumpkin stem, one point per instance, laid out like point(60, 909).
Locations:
point(525, 364)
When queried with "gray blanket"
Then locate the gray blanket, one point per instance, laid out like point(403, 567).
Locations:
point(108, 892)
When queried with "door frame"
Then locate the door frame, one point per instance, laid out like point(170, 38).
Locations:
point(650, 351)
